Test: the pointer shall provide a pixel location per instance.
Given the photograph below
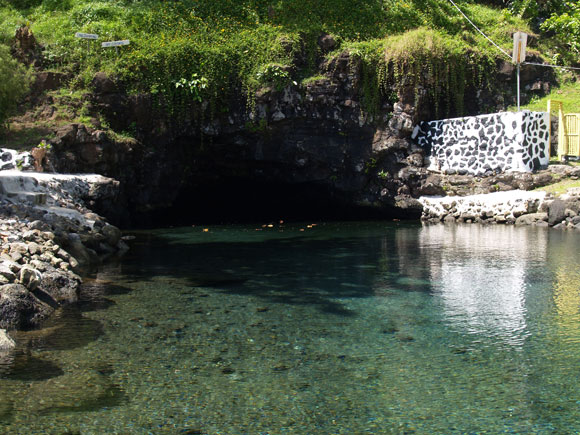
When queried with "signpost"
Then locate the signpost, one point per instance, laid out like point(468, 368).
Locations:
point(115, 44)
point(519, 56)
point(88, 37)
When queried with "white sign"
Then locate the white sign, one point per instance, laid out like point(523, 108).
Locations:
point(115, 43)
point(86, 35)
point(520, 41)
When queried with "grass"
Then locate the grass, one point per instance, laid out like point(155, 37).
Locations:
point(554, 161)
point(312, 79)
point(34, 124)
point(568, 94)
point(560, 187)
point(231, 46)
point(23, 137)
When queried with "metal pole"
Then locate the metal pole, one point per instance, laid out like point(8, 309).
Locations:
point(518, 68)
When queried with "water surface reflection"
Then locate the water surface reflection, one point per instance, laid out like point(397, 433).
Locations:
point(480, 275)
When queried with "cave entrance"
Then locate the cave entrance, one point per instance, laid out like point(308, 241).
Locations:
point(237, 200)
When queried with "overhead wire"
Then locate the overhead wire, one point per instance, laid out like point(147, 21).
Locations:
point(505, 52)
point(477, 28)
point(551, 66)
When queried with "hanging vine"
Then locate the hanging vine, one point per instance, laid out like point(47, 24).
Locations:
point(433, 64)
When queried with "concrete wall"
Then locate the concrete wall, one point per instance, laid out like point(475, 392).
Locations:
point(487, 144)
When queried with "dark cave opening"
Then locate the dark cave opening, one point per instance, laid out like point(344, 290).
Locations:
point(238, 200)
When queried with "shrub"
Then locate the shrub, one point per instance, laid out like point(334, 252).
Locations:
point(567, 29)
point(14, 83)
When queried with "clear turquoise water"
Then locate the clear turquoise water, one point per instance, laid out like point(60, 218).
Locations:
point(343, 328)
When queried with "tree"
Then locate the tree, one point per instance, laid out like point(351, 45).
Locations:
point(566, 27)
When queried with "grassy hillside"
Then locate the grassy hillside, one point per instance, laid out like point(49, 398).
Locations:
point(202, 35)
point(208, 50)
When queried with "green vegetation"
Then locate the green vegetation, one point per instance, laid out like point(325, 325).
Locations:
point(14, 83)
point(568, 94)
point(41, 121)
point(441, 64)
point(560, 187)
point(193, 51)
point(567, 28)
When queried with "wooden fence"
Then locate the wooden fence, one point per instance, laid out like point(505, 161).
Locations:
point(568, 131)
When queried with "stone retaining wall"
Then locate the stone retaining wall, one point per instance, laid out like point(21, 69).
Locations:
point(512, 207)
point(500, 207)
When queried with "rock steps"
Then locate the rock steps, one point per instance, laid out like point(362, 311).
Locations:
point(21, 188)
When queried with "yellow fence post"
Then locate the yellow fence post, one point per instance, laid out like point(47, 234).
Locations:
point(572, 122)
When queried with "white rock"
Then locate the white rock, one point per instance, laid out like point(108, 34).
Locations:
point(30, 277)
point(6, 343)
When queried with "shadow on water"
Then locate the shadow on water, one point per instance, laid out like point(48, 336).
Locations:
point(318, 269)
point(67, 330)
point(92, 289)
point(93, 296)
point(20, 366)
point(45, 386)
point(111, 396)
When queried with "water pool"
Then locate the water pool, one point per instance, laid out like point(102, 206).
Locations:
point(336, 328)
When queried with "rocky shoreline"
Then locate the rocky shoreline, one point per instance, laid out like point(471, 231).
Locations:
point(510, 205)
point(50, 235)
point(49, 238)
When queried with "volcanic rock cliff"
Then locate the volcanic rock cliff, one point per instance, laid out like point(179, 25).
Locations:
point(301, 150)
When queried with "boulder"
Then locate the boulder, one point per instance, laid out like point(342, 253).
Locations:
point(532, 218)
point(326, 43)
point(25, 47)
point(556, 212)
point(103, 84)
point(48, 81)
point(77, 250)
point(19, 308)
point(61, 285)
point(112, 234)
point(6, 271)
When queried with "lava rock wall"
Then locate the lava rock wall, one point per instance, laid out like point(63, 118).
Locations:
point(487, 144)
